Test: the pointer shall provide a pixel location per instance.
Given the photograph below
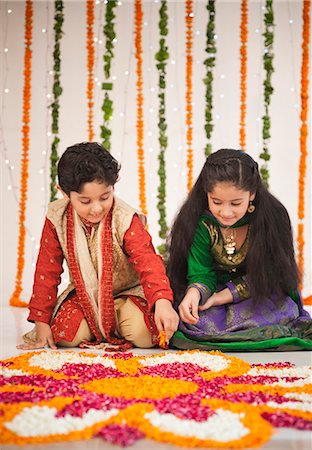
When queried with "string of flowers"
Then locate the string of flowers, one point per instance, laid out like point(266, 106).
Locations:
point(243, 73)
point(90, 64)
point(161, 57)
point(140, 101)
point(189, 15)
point(15, 298)
point(303, 134)
point(57, 91)
point(208, 80)
point(107, 106)
point(268, 88)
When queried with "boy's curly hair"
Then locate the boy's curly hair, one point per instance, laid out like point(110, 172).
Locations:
point(86, 162)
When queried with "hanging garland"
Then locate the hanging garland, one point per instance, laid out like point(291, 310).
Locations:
point(140, 100)
point(189, 15)
point(268, 89)
point(107, 107)
point(243, 73)
point(208, 80)
point(57, 91)
point(161, 57)
point(303, 135)
point(15, 299)
point(90, 64)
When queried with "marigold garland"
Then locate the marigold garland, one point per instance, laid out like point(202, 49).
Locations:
point(308, 300)
point(208, 80)
point(107, 106)
point(189, 15)
point(15, 298)
point(303, 133)
point(187, 398)
point(268, 89)
point(140, 101)
point(161, 61)
point(243, 73)
point(90, 65)
point(57, 91)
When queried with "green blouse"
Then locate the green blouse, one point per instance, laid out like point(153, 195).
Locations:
point(208, 262)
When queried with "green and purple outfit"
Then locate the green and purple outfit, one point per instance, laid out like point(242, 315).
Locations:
point(246, 324)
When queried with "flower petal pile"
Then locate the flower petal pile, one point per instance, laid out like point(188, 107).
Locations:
point(187, 398)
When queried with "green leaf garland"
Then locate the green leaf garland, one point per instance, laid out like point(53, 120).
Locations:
point(107, 106)
point(208, 80)
point(268, 89)
point(161, 61)
point(57, 91)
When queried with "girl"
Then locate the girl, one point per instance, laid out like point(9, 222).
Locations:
point(119, 293)
point(232, 266)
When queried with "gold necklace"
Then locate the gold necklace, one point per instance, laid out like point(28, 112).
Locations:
point(229, 241)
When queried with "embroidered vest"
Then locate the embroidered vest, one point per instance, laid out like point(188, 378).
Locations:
point(125, 278)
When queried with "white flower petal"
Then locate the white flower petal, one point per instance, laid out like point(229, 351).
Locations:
point(303, 397)
point(304, 372)
point(299, 406)
point(223, 426)
point(7, 373)
point(56, 360)
point(204, 360)
point(41, 421)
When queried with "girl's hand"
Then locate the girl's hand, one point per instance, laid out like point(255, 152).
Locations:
point(166, 318)
point(44, 338)
point(211, 301)
point(218, 298)
point(188, 308)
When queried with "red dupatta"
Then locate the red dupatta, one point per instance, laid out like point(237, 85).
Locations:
point(106, 324)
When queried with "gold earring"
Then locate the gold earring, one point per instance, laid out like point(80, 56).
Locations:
point(251, 207)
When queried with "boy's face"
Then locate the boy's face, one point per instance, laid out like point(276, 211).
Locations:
point(93, 202)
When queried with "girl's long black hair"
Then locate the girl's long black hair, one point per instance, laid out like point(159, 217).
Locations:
point(271, 265)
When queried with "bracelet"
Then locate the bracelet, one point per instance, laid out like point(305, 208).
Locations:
point(230, 285)
point(202, 289)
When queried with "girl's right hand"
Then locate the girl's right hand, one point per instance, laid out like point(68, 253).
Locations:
point(44, 338)
point(188, 308)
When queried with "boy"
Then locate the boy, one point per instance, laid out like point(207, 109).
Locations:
point(119, 293)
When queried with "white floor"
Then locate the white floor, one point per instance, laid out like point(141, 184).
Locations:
point(13, 324)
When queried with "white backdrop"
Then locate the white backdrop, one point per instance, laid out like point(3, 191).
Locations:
point(285, 107)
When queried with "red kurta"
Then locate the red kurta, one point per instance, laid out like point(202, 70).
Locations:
point(137, 246)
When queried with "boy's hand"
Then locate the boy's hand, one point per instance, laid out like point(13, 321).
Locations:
point(166, 318)
point(44, 338)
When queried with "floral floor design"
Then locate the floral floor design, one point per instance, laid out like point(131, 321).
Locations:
point(188, 398)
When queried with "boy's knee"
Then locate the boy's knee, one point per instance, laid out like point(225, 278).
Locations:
point(83, 334)
point(131, 324)
point(140, 336)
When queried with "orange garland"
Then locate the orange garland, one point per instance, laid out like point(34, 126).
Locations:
point(189, 15)
point(140, 99)
point(15, 299)
point(303, 134)
point(90, 58)
point(243, 73)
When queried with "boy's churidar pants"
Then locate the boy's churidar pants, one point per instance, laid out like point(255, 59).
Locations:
point(69, 327)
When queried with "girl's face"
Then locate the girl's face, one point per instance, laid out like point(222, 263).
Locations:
point(228, 203)
point(93, 202)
